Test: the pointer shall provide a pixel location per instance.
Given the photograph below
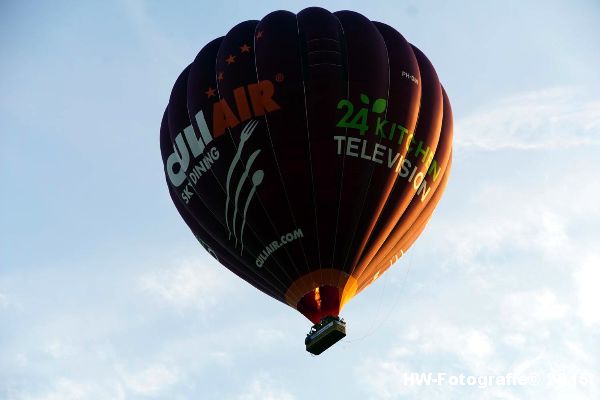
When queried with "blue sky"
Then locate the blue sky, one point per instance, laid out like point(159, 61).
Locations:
point(104, 293)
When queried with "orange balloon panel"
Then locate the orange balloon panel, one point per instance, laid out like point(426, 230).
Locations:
point(401, 246)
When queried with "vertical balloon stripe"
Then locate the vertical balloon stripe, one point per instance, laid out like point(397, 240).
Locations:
point(234, 69)
point(325, 83)
point(201, 222)
point(239, 71)
point(178, 123)
point(203, 100)
point(401, 117)
point(375, 271)
point(286, 128)
point(421, 148)
point(369, 83)
point(421, 201)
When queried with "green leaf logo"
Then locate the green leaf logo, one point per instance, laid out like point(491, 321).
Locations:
point(379, 106)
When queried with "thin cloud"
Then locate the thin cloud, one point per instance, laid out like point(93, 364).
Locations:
point(151, 380)
point(384, 379)
point(525, 213)
point(528, 309)
point(554, 118)
point(189, 284)
point(70, 389)
point(587, 280)
point(264, 387)
point(3, 300)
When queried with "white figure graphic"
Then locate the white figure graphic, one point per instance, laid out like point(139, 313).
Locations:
point(257, 178)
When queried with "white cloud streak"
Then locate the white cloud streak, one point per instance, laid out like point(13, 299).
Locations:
point(69, 389)
point(587, 279)
point(263, 387)
point(150, 381)
point(189, 284)
point(3, 300)
point(546, 119)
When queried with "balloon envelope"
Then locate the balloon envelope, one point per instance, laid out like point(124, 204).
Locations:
point(307, 152)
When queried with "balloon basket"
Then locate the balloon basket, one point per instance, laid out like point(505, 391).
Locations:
point(325, 334)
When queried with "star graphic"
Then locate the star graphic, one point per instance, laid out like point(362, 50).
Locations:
point(259, 34)
point(220, 76)
point(210, 92)
point(245, 48)
point(230, 60)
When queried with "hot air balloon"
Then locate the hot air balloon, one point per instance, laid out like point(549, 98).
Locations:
point(307, 152)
